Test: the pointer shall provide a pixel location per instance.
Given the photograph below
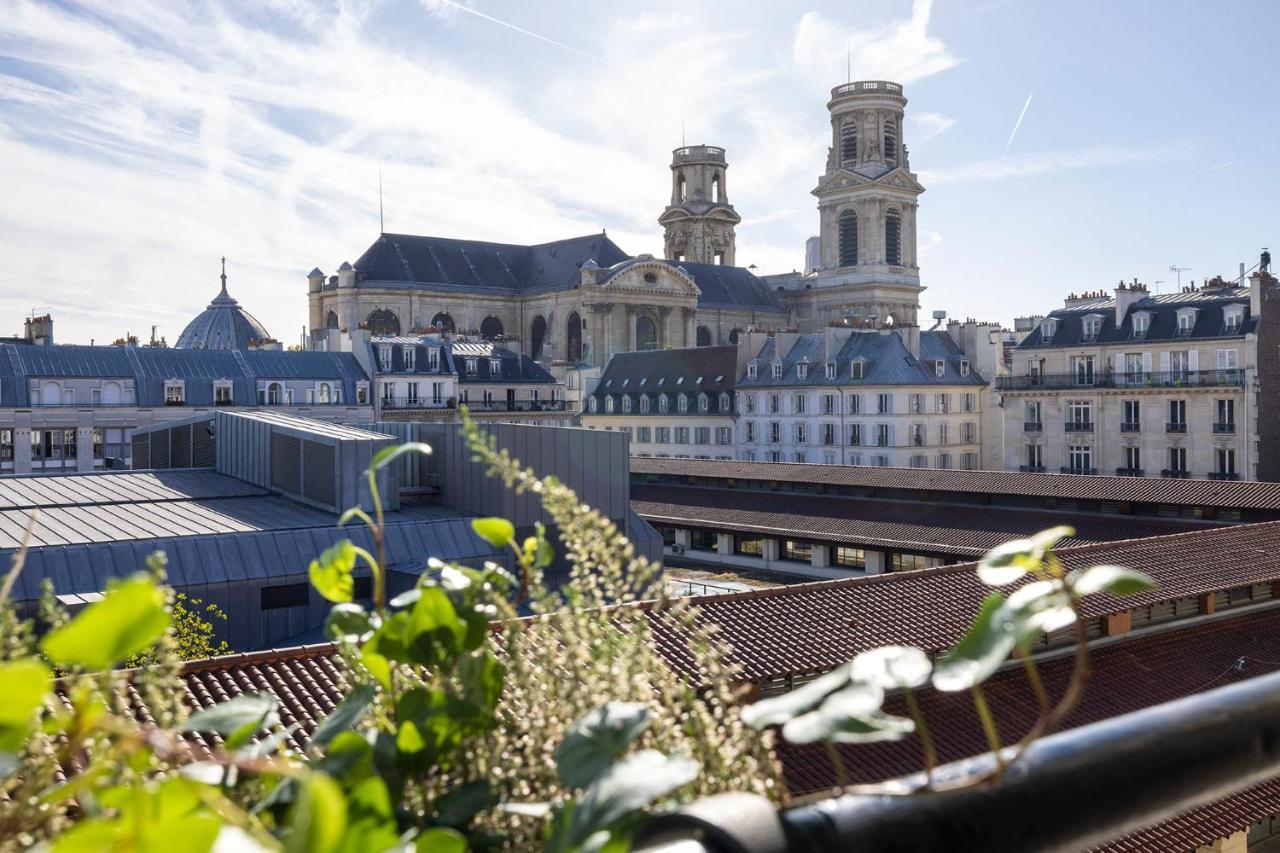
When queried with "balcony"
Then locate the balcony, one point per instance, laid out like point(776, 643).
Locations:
point(1223, 475)
point(1175, 474)
point(1224, 429)
point(1131, 426)
point(1035, 426)
point(414, 403)
point(1031, 469)
point(1169, 379)
point(1175, 426)
point(521, 406)
point(1078, 426)
point(1067, 469)
point(1130, 472)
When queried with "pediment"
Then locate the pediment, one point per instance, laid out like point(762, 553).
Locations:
point(649, 275)
point(844, 179)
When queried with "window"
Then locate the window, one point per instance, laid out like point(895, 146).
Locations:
point(1232, 319)
point(802, 433)
point(495, 367)
point(969, 402)
point(222, 394)
point(704, 403)
point(1035, 460)
point(798, 551)
point(884, 404)
point(752, 369)
point(750, 547)
point(969, 461)
point(384, 358)
point(855, 435)
point(1136, 367)
point(775, 432)
point(748, 403)
point(682, 404)
point(831, 370)
point(702, 435)
point(893, 238)
point(1092, 326)
point(1186, 321)
point(944, 434)
point(433, 360)
point(1132, 416)
point(724, 435)
point(1079, 415)
point(662, 435)
point(775, 404)
point(1179, 364)
point(919, 460)
point(626, 404)
point(1178, 415)
point(891, 141)
point(855, 404)
point(608, 404)
point(964, 367)
point(750, 434)
point(1226, 415)
point(1032, 418)
point(644, 404)
point(473, 366)
point(939, 368)
point(968, 432)
point(850, 558)
point(1048, 328)
point(437, 393)
point(848, 239)
point(702, 540)
point(1228, 360)
point(942, 403)
point(6, 445)
point(799, 404)
point(828, 404)
point(285, 595)
point(593, 405)
point(1082, 369)
point(828, 434)
point(915, 403)
point(849, 141)
point(324, 392)
point(362, 393)
point(882, 435)
point(642, 435)
point(410, 356)
point(663, 404)
point(912, 562)
point(389, 394)
point(724, 402)
point(802, 370)
point(1133, 459)
point(173, 393)
point(1141, 323)
point(777, 370)
point(856, 369)
point(1178, 460)
point(1226, 460)
point(1080, 458)
point(800, 457)
point(682, 435)
point(944, 461)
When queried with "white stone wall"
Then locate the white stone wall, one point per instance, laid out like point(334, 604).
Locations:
point(647, 444)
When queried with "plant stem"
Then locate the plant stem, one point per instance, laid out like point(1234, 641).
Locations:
point(1037, 686)
point(379, 576)
point(922, 730)
point(988, 725)
point(842, 779)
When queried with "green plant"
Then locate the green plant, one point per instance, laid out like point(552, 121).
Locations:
point(846, 705)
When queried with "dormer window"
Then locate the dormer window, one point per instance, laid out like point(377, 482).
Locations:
point(433, 360)
point(704, 403)
point(1186, 320)
point(410, 356)
point(752, 370)
point(593, 404)
point(964, 367)
point(174, 392)
point(1048, 329)
point(777, 370)
point(222, 393)
point(856, 368)
point(831, 370)
point(495, 367)
point(802, 370)
point(724, 402)
point(1141, 323)
point(1092, 326)
point(644, 404)
point(626, 405)
point(473, 366)
point(939, 368)
point(608, 405)
point(663, 404)
point(384, 358)
point(1232, 319)
point(682, 404)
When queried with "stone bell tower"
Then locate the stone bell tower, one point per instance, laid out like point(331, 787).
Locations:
point(698, 224)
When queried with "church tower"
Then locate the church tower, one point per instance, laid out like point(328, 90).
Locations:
point(698, 224)
point(868, 197)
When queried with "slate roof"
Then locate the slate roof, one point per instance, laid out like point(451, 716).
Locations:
point(1227, 494)
point(421, 361)
point(224, 325)
point(691, 371)
point(731, 288)
point(1163, 308)
point(885, 361)
point(150, 367)
point(515, 368)
point(898, 525)
point(1139, 672)
point(441, 263)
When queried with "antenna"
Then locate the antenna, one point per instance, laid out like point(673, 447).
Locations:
point(1179, 270)
point(382, 229)
point(682, 142)
point(1157, 284)
point(848, 66)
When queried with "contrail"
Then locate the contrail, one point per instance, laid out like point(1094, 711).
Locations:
point(1017, 125)
point(520, 30)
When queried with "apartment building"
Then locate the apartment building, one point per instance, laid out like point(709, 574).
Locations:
point(889, 397)
point(675, 403)
point(1136, 384)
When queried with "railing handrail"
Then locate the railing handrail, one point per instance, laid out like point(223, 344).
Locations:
point(1228, 377)
point(1070, 791)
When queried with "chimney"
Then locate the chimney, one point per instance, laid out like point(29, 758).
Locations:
point(834, 339)
point(783, 342)
point(1126, 297)
point(346, 275)
point(749, 345)
point(910, 337)
point(39, 330)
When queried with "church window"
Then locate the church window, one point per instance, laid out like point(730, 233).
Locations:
point(893, 238)
point(704, 336)
point(849, 141)
point(734, 335)
point(443, 322)
point(490, 328)
point(682, 191)
point(715, 189)
point(646, 333)
point(573, 337)
point(331, 320)
point(383, 322)
point(848, 238)
point(891, 140)
point(538, 334)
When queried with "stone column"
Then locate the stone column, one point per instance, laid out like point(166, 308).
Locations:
point(22, 450)
point(664, 326)
point(690, 327)
point(683, 538)
point(875, 562)
point(629, 333)
point(724, 544)
point(820, 556)
point(84, 448)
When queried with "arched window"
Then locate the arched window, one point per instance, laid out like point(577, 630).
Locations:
point(490, 328)
point(682, 404)
point(891, 141)
point(849, 141)
point(724, 402)
point(537, 334)
point(626, 404)
point(443, 322)
point(644, 404)
point(646, 333)
point(273, 394)
point(893, 238)
point(715, 188)
point(111, 393)
point(734, 335)
point(608, 405)
point(50, 394)
point(593, 404)
point(323, 394)
point(704, 403)
point(663, 404)
point(331, 320)
point(682, 191)
point(573, 338)
point(704, 336)
point(848, 239)
point(383, 322)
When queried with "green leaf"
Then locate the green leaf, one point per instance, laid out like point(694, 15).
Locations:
point(460, 806)
point(440, 839)
point(354, 512)
point(387, 455)
point(627, 786)
point(128, 620)
point(318, 816)
point(24, 684)
point(1117, 580)
point(331, 572)
point(498, 532)
point(892, 667)
point(1035, 609)
point(481, 677)
point(597, 739)
point(1010, 561)
point(830, 725)
point(847, 711)
point(351, 623)
point(779, 709)
point(980, 652)
point(379, 667)
point(229, 717)
point(350, 711)
point(270, 743)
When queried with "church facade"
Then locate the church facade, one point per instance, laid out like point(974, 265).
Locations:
point(580, 300)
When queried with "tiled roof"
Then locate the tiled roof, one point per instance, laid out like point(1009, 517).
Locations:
point(910, 526)
point(1163, 310)
point(808, 628)
point(885, 361)
point(1136, 673)
point(1212, 493)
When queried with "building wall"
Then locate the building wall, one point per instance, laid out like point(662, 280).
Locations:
point(646, 430)
point(1265, 291)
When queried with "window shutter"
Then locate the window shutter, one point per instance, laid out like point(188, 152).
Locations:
point(1193, 361)
point(1164, 362)
point(1146, 362)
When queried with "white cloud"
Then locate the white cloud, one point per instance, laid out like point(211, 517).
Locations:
point(928, 125)
point(1047, 162)
point(902, 51)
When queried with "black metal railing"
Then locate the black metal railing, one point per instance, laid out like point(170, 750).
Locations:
point(1223, 475)
point(419, 403)
point(1175, 426)
point(1224, 428)
point(1033, 426)
point(1071, 791)
point(1129, 472)
point(1160, 379)
point(1175, 474)
point(1071, 469)
point(520, 406)
point(1031, 469)
point(1079, 426)
point(1131, 426)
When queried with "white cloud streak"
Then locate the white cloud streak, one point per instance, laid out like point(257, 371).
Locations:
point(511, 26)
point(1017, 125)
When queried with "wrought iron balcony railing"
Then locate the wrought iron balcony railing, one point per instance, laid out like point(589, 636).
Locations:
point(1175, 426)
point(1131, 426)
point(1142, 379)
point(1078, 426)
point(1224, 428)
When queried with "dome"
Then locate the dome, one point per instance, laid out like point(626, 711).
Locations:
point(223, 325)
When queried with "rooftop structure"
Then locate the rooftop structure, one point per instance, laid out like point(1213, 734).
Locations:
point(224, 325)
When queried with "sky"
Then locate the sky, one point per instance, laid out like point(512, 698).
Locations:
point(1064, 145)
